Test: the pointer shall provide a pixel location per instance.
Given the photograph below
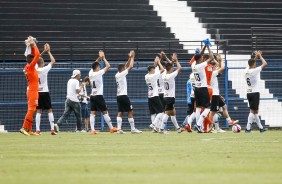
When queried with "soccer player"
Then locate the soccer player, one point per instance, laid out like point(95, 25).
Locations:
point(169, 94)
point(252, 76)
point(201, 91)
point(32, 89)
point(83, 98)
point(124, 104)
point(155, 105)
point(96, 97)
point(44, 101)
point(190, 102)
point(216, 101)
point(72, 101)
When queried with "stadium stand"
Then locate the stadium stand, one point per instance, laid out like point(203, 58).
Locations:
point(232, 21)
point(95, 23)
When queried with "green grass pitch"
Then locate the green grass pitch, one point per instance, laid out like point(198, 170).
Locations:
point(146, 158)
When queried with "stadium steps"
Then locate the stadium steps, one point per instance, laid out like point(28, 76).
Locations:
point(97, 21)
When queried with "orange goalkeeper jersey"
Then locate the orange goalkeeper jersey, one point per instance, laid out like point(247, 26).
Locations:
point(31, 72)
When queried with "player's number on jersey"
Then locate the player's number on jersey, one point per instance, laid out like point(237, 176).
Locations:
point(166, 85)
point(150, 86)
point(117, 84)
point(158, 82)
point(249, 82)
point(197, 77)
point(94, 85)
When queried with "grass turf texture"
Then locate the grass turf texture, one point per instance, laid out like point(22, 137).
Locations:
point(145, 158)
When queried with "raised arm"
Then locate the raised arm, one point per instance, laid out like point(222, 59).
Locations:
point(48, 50)
point(203, 50)
point(107, 67)
point(130, 61)
point(221, 65)
point(34, 51)
point(175, 60)
point(264, 63)
point(211, 58)
point(158, 61)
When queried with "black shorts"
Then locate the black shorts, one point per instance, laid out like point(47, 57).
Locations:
point(124, 104)
point(98, 103)
point(169, 103)
point(253, 99)
point(216, 102)
point(44, 101)
point(191, 107)
point(161, 95)
point(202, 97)
point(155, 105)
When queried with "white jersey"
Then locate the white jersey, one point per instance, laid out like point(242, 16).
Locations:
point(82, 95)
point(121, 82)
point(200, 74)
point(73, 85)
point(169, 84)
point(96, 80)
point(160, 83)
point(214, 83)
point(152, 83)
point(192, 81)
point(42, 76)
point(252, 76)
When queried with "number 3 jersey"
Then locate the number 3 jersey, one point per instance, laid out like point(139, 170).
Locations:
point(169, 84)
point(152, 83)
point(121, 82)
point(96, 80)
point(200, 74)
point(252, 76)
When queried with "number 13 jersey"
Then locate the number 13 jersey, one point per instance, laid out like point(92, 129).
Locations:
point(200, 74)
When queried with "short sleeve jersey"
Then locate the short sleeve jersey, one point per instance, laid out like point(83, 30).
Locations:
point(96, 81)
point(169, 84)
point(43, 78)
point(200, 74)
point(152, 83)
point(214, 83)
point(121, 82)
point(252, 76)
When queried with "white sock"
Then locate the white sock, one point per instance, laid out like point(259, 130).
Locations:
point(158, 120)
point(198, 114)
point(215, 120)
point(108, 120)
point(202, 117)
point(37, 120)
point(228, 119)
point(92, 122)
point(131, 122)
point(250, 121)
point(258, 121)
point(174, 121)
point(119, 122)
point(51, 120)
point(191, 118)
point(153, 117)
point(164, 121)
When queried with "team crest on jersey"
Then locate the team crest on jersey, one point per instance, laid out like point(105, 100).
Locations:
point(210, 68)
